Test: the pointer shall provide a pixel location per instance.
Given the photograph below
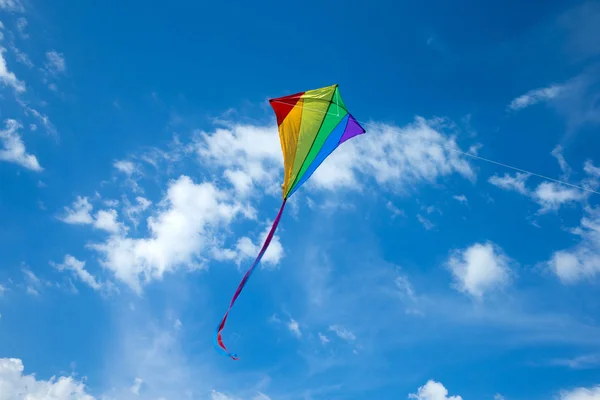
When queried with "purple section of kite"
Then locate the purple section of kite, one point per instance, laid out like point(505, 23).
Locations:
point(352, 129)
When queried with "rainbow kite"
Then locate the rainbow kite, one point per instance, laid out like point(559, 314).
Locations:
point(312, 125)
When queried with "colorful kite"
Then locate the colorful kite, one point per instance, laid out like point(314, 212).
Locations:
point(312, 125)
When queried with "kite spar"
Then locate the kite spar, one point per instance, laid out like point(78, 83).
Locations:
point(311, 125)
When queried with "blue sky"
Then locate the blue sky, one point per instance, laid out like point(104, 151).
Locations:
point(140, 169)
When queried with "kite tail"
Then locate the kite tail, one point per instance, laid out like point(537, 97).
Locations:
point(218, 337)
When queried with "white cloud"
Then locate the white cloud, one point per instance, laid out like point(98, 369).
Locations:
point(479, 268)
point(396, 212)
point(21, 26)
point(245, 248)
point(591, 169)
point(133, 211)
point(405, 287)
point(137, 385)
point(178, 324)
point(583, 260)
point(461, 198)
point(324, 339)
point(498, 396)
point(55, 62)
point(11, 5)
point(20, 56)
point(551, 195)
point(427, 224)
point(508, 182)
point(126, 167)
point(180, 233)
point(44, 119)
point(535, 96)
point(342, 333)
point(220, 396)
point(13, 149)
point(581, 394)
point(7, 77)
point(565, 168)
point(14, 385)
point(294, 327)
point(107, 221)
point(79, 213)
point(398, 157)
point(251, 155)
point(76, 266)
point(33, 283)
point(433, 390)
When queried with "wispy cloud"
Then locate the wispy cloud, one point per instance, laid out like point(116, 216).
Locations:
point(343, 333)
point(7, 77)
point(12, 5)
point(461, 199)
point(550, 195)
point(55, 62)
point(13, 149)
point(580, 362)
point(427, 224)
point(536, 96)
point(294, 327)
point(77, 267)
point(511, 182)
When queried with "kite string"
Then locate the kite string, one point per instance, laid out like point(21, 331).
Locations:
point(472, 156)
point(218, 337)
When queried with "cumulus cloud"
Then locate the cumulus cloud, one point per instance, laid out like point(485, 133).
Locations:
point(479, 268)
point(180, 233)
point(433, 390)
point(107, 220)
point(183, 228)
point(7, 77)
point(79, 212)
point(551, 195)
point(251, 155)
point(583, 260)
point(13, 149)
point(581, 394)
point(15, 385)
point(397, 157)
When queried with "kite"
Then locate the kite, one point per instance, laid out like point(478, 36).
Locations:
point(311, 126)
